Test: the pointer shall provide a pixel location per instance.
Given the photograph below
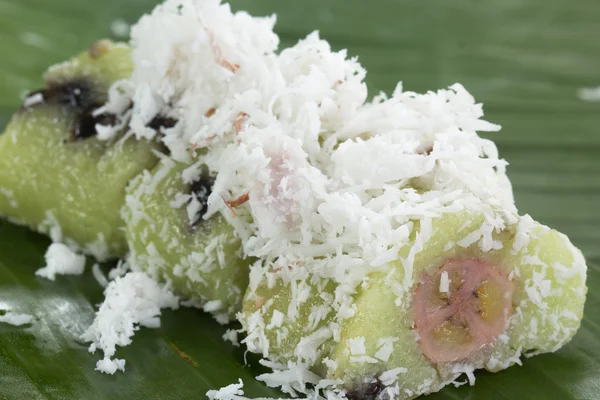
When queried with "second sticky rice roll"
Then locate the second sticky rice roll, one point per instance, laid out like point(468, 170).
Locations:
point(170, 239)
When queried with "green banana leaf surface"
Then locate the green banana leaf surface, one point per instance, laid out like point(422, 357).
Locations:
point(524, 59)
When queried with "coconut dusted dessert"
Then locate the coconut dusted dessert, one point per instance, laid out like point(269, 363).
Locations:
point(388, 257)
point(170, 240)
point(56, 176)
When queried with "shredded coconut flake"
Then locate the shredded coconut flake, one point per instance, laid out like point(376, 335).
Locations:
point(357, 345)
point(99, 276)
point(388, 378)
point(30, 101)
point(233, 392)
point(444, 282)
point(385, 348)
point(61, 260)
point(591, 94)
point(130, 302)
point(119, 28)
point(15, 319)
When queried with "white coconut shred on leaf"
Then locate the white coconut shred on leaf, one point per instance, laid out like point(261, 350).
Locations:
point(591, 94)
point(99, 275)
point(130, 301)
point(233, 392)
point(15, 319)
point(61, 260)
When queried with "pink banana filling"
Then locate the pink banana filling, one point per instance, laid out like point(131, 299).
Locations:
point(461, 309)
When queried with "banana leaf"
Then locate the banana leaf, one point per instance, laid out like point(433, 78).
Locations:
point(525, 59)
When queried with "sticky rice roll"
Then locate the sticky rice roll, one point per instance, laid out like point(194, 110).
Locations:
point(56, 176)
point(472, 305)
point(461, 296)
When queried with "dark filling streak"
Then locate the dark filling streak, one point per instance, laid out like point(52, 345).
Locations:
point(78, 99)
point(201, 190)
point(85, 126)
point(530, 351)
point(76, 93)
point(368, 391)
point(160, 122)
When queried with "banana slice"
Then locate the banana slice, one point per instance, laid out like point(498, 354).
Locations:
point(462, 308)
